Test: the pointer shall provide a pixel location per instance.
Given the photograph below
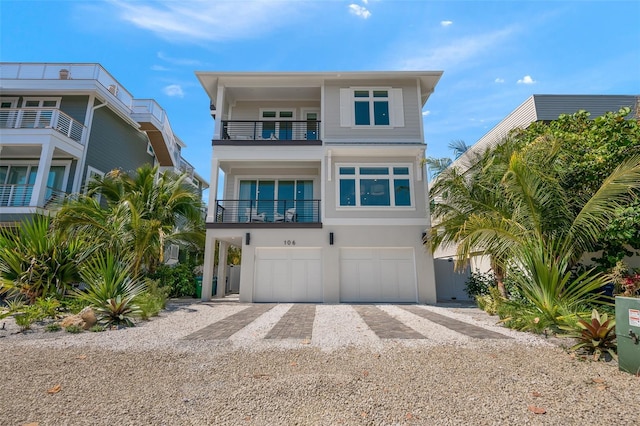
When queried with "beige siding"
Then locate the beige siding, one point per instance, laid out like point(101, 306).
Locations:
point(410, 132)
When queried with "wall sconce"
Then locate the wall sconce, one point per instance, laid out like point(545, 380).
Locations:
point(247, 238)
point(424, 235)
point(330, 238)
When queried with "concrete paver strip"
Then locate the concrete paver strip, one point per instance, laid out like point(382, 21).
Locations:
point(297, 323)
point(455, 325)
point(384, 325)
point(226, 327)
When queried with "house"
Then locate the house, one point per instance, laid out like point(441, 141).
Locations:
point(62, 124)
point(545, 108)
point(324, 188)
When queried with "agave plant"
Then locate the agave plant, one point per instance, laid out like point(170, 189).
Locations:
point(595, 336)
point(111, 289)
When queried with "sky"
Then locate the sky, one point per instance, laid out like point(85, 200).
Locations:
point(494, 54)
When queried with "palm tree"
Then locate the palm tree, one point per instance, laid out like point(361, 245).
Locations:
point(142, 214)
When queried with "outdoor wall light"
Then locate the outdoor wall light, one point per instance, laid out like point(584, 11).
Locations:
point(247, 238)
point(424, 235)
point(330, 238)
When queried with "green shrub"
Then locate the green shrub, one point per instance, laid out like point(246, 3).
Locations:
point(54, 326)
point(179, 279)
point(491, 301)
point(73, 304)
point(47, 307)
point(73, 329)
point(478, 283)
point(97, 328)
point(153, 300)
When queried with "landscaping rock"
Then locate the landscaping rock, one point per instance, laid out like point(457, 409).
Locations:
point(85, 319)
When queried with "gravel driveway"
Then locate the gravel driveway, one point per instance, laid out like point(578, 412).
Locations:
point(190, 366)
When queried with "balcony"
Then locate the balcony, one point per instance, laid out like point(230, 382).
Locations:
point(267, 214)
point(42, 118)
point(269, 132)
point(19, 195)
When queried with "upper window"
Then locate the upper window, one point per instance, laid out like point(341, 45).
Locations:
point(374, 186)
point(371, 107)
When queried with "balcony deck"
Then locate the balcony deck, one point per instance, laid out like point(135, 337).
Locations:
point(267, 214)
point(269, 132)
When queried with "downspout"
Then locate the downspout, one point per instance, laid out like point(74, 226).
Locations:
point(81, 165)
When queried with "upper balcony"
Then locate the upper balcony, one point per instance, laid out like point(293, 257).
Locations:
point(42, 118)
point(269, 132)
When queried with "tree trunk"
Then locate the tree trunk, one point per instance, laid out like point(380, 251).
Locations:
point(498, 273)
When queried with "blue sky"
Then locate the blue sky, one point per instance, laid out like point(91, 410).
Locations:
point(494, 54)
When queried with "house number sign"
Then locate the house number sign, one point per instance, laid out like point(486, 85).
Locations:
point(289, 242)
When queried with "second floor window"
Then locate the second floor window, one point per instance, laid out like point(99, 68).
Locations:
point(374, 107)
point(374, 186)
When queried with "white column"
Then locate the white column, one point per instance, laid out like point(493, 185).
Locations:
point(213, 190)
point(209, 259)
point(222, 269)
point(40, 185)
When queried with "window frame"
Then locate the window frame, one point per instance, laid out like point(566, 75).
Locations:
point(357, 176)
point(391, 101)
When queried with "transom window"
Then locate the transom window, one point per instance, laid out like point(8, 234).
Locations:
point(371, 107)
point(277, 124)
point(374, 186)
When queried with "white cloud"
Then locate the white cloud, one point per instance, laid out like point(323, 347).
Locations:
point(178, 61)
point(526, 80)
point(173, 90)
point(426, 113)
point(456, 52)
point(203, 20)
point(159, 68)
point(445, 23)
point(499, 80)
point(360, 11)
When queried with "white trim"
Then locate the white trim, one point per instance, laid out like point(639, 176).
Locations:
point(14, 101)
point(375, 222)
point(390, 177)
point(41, 100)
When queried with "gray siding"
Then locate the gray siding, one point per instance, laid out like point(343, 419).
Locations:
point(75, 106)
point(550, 107)
point(411, 131)
point(114, 144)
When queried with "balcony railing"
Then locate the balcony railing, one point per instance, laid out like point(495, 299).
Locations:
point(42, 118)
point(307, 130)
point(267, 211)
point(19, 195)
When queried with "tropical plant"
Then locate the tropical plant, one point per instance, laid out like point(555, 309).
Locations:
point(140, 214)
point(36, 260)
point(111, 288)
point(52, 327)
point(595, 336)
point(152, 301)
point(73, 329)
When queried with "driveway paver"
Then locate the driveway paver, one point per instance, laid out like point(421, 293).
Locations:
point(454, 324)
point(384, 325)
point(225, 328)
point(297, 323)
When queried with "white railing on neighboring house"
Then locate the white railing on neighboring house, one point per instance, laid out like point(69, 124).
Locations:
point(19, 195)
point(42, 118)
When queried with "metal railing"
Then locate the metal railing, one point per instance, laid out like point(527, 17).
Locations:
point(42, 118)
point(271, 130)
point(267, 211)
point(19, 195)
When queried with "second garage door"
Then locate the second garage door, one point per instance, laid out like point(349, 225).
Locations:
point(377, 275)
point(288, 275)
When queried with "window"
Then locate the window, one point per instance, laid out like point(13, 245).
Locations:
point(371, 107)
point(374, 186)
point(92, 174)
point(276, 198)
point(277, 124)
point(40, 116)
point(17, 180)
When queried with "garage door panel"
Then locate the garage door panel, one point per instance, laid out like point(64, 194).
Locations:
point(288, 275)
point(377, 275)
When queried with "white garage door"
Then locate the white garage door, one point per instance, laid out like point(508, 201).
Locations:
point(288, 275)
point(377, 275)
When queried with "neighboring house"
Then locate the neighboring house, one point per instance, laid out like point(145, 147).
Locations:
point(324, 186)
point(544, 108)
point(62, 124)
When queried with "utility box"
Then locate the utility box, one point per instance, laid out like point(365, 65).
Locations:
point(628, 333)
